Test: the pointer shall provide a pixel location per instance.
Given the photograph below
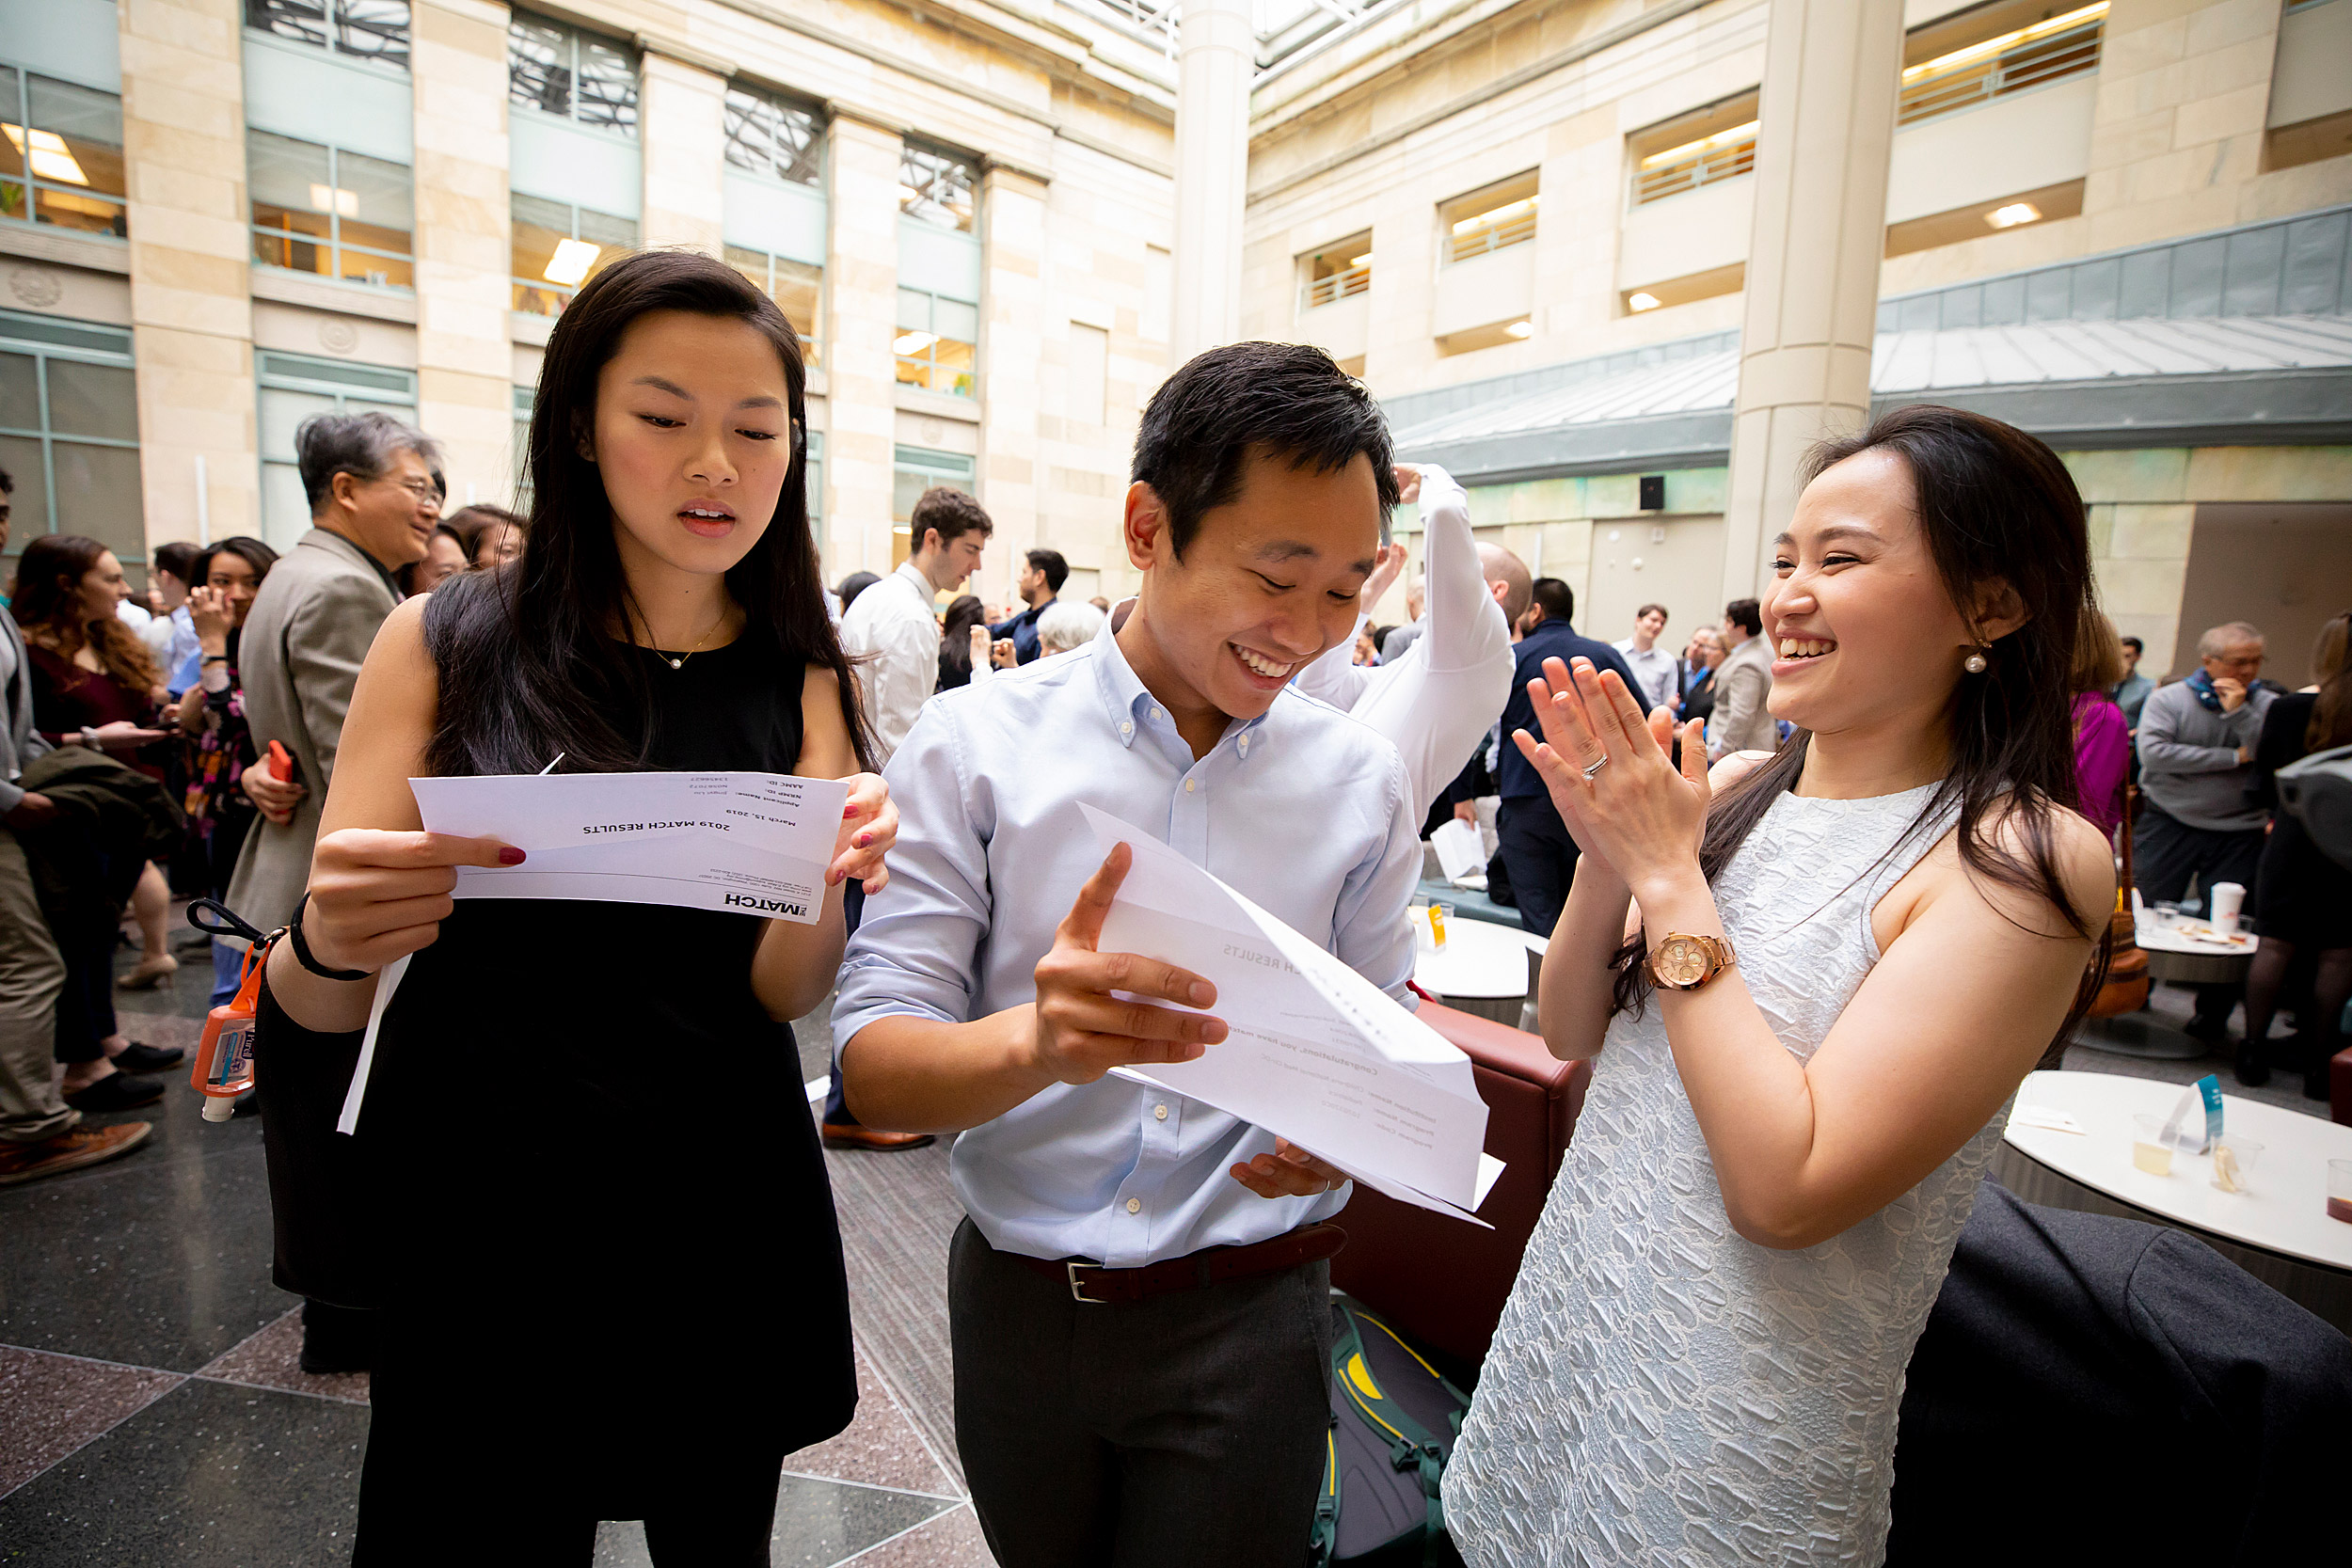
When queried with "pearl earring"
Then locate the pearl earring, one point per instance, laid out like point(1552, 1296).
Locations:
point(1974, 663)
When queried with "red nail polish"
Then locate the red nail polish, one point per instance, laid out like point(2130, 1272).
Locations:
point(865, 839)
point(509, 856)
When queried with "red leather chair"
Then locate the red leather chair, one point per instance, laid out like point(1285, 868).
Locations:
point(1442, 1281)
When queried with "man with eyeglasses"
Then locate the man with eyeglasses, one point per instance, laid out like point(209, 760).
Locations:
point(375, 487)
point(2196, 742)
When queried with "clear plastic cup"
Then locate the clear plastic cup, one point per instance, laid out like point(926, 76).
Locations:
point(2339, 1190)
point(2150, 1152)
point(2233, 1157)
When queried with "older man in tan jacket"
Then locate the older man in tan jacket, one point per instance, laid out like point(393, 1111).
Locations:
point(374, 489)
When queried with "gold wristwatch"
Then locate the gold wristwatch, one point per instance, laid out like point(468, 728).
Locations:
point(1685, 962)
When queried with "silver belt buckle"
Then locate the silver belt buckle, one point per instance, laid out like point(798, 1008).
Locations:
point(1077, 1291)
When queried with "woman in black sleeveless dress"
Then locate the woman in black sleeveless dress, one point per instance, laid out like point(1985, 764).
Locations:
point(598, 1300)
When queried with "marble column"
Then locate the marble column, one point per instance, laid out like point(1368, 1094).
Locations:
point(465, 368)
point(862, 305)
point(1012, 326)
point(1832, 73)
point(191, 244)
point(1217, 56)
point(683, 103)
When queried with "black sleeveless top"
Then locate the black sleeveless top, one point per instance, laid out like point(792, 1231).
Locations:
point(582, 1122)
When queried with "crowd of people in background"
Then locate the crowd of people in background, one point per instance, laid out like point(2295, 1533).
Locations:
point(183, 736)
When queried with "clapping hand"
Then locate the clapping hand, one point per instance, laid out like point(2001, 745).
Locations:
point(1609, 773)
point(210, 614)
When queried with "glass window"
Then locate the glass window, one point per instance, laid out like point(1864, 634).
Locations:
point(768, 136)
point(294, 387)
point(579, 76)
point(557, 247)
point(937, 187)
point(913, 470)
point(61, 154)
point(797, 287)
point(1990, 51)
point(69, 434)
point(367, 29)
point(334, 214)
point(938, 343)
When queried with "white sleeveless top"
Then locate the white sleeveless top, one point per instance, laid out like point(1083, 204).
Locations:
point(1661, 1390)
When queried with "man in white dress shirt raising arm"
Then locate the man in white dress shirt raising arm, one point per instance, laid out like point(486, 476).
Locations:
point(1140, 1296)
point(1436, 698)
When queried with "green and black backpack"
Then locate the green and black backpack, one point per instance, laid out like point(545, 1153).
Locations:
point(1394, 1421)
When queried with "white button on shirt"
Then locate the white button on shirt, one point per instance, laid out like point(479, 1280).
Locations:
point(1314, 825)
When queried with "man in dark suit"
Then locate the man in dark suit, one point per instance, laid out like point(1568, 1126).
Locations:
point(1536, 848)
point(1042, 573)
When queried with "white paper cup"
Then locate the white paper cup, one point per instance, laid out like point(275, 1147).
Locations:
point(2223, 905)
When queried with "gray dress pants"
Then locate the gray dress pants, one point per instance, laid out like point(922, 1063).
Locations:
point(32, 977)
point(1183, 1429)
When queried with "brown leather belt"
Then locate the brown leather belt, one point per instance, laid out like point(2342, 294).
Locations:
point(1099, 1287)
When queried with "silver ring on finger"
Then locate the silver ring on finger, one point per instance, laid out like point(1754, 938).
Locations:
point(1592, 770)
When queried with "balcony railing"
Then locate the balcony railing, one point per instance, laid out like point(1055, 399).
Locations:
point(1478, 237)
point(1725, 155)
point(1334, 287)
point(2030, 57)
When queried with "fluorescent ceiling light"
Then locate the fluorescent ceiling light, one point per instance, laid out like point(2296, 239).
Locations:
point(1503, 213)
point(2007, 40)
point(2013, 214)
point(570, 262)
point(913, 342)
point(1363, 260)
point(49, 155)
point(1639, 302)
point(1702, 146)
point(1519, 329)
point(329, 198)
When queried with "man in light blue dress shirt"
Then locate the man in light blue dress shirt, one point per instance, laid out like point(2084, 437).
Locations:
point(1140, 1296)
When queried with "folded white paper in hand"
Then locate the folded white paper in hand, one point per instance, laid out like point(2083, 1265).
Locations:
point(748, 843)
point(1316, 1054)
point(1460, 851)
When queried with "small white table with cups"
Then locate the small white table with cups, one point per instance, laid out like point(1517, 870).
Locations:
point(2292, 1175)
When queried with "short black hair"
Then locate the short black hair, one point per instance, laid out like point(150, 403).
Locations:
point(950, 514)
point(1746, 614)
point(1292, 400)
point(1555, 598)
point(852, 585)
point(1056, 570)
point(176, 558)
point(2136, 644)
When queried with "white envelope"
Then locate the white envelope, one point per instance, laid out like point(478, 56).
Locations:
point(1316, 1052)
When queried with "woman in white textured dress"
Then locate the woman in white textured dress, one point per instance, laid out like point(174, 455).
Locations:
point(1843, 964)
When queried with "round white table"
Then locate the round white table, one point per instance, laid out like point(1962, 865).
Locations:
point(1484, 969)
point(2174, 953)
point(2277, 1230)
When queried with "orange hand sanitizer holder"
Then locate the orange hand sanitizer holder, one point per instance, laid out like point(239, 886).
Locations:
point(224, 1056)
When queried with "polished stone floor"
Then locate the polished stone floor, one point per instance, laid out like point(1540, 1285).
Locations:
point(152, 1411)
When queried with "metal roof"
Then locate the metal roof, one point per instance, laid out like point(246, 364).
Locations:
point(2198, 357)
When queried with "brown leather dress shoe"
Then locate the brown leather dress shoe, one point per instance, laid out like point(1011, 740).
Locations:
point(69, 1150)
point(851, 1136)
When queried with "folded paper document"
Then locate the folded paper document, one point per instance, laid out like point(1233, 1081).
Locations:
point(1316, 1052)
point(748, 843)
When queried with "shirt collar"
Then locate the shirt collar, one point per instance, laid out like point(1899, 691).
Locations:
point(1128, 698)
point(916, 580)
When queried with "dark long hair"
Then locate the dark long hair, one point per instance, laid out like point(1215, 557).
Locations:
point(530, 662)
point(254, 553)
point(955, 639)
point(2331, 667)
point(48, 607)
point(1997, 506)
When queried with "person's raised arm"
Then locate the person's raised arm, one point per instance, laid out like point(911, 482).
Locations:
point(1974, 981)
point(379, 885)
point(794, 965)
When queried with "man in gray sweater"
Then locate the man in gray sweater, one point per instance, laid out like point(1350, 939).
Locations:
point(2196, 742)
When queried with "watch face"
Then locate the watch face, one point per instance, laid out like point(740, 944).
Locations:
point(1681, 962)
